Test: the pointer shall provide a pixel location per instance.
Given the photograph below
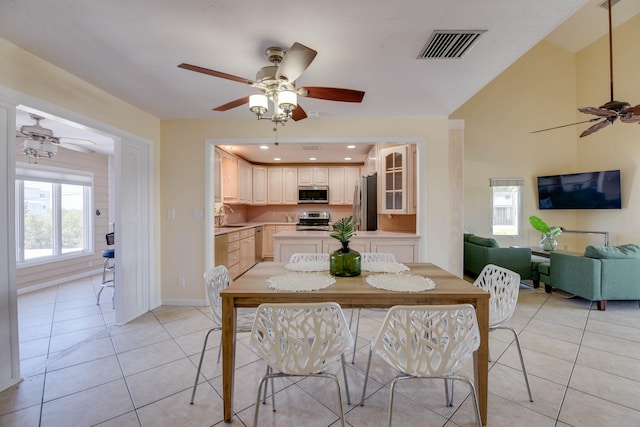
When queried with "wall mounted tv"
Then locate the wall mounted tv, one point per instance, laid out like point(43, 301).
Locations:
point(588, 190)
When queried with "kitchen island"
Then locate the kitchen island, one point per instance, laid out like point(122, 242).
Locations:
point(404, 246)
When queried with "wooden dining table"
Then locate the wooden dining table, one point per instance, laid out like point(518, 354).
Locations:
point(251, 290)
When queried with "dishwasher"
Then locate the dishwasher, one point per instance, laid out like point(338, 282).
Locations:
point(258, 244)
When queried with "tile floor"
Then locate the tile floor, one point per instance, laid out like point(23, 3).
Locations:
point(80, 369)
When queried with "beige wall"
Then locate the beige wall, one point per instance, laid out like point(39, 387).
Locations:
point(183, 183)
point(542, 89)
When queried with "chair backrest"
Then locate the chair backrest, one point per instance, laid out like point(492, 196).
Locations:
point(371, 257)
point(503, 285)
point(216, 279)
point(110, 238)
point(428, 340)
point(300, 339)
point(309, 257)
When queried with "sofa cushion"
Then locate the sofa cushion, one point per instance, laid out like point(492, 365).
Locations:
point(629, 251)
point(544, 268)
point(466, 236)
point(483, 241)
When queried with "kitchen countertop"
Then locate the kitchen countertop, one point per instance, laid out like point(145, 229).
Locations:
point(360, 234)
point(230, 228)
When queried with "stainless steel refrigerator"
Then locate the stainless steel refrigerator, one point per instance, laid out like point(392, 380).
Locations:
point(365, 203)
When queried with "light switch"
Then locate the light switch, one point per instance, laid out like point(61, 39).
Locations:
point(171, 213)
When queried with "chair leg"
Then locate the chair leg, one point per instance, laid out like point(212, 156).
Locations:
point(204, 347)
point(448, 393)
point(524, 370)
point(474, 394)
point(346, 382)
point(366, 379)
point(355, 337)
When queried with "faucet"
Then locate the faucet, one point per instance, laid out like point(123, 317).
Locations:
point(221, 213)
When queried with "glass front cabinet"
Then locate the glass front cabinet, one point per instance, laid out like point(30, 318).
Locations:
point(396, 180)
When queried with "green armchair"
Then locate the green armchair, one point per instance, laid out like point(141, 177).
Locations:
point(480, 251)
point(603, 273)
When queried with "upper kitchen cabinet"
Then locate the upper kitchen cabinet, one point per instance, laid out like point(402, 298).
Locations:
point(342, 183)
point(371, 162)
point(236, 180)
point(282, 186)
point(217, 180)
point(396, 179)
point(313, 176)
point(260, 178)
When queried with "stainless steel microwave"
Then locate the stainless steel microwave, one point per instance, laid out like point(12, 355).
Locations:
point(313, 194)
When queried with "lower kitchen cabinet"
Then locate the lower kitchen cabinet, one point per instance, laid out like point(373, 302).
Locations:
point(267, 237)
point(247, 249)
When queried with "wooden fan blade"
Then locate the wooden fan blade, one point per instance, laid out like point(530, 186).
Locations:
point(564, 126)
point(631, 115)
point(602, 124)
point(295, 61)
point(233, 104)
point(215, 73)
point(298, 113)
point(599, 111)
point(331, 93)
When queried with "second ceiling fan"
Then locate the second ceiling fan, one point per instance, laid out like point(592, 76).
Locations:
point(277, 84)
point(611, 111)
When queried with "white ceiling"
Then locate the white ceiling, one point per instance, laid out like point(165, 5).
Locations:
point(131, 49)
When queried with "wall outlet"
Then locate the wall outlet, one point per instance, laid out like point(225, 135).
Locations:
point(182, 281)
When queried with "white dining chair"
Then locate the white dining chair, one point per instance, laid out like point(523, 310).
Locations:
point(301, 340)
point(503, 285)
point(427, 341)
point(367, 257)
point(216, 280)
point(309, 257)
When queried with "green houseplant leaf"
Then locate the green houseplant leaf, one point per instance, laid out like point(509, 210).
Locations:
point(343, 229)
point(538, 224)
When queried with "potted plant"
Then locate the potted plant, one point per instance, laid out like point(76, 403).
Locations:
point(344, 261)
point(549, 234)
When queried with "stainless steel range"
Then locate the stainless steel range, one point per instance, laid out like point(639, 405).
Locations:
point(313, 220)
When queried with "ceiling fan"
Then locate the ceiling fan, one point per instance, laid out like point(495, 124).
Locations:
point(39, 141)
point(277, 82)
point(609, 112)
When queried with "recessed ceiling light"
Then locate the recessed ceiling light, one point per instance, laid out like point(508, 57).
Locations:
point(312, 158)
point(351, 146)
point(277, 159)
point(227, 147)
point(264, 147)
point(347, 158)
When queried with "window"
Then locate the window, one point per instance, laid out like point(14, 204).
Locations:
point(506, 203)
point(53, 213)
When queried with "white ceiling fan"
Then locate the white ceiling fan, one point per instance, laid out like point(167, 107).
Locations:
point(39, 141)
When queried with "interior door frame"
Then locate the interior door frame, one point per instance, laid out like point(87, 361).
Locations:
point(138, 245)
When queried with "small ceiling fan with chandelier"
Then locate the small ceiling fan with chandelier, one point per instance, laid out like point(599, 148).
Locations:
point(277, 82)
point(38, 141)
point(611, 111)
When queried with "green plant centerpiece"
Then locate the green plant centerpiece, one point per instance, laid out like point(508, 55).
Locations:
point(549, 234)
point(344, 262)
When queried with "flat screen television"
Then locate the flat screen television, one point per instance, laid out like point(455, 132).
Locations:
point(587, 190)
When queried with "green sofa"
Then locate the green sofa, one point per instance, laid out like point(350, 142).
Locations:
point(480, 251)
point(602, 273)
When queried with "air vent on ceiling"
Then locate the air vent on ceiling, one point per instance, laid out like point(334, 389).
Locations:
point(310, 147)
point(450, 43)
point(605, 4)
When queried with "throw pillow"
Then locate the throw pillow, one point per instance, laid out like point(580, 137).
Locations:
point(483, 241)
point(629, 251)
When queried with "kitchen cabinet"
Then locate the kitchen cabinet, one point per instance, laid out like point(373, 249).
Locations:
point(313, 176)
point(282, 186)
point(371, 162)
point(233, 254)
point(247, 249)
point(396, 179)
point(217, 179)
point(267, 237)
point(237, 180)
point(342, 182)
point(260, 178)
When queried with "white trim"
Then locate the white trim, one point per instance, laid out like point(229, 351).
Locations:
point(59, 281)
point(186, 302)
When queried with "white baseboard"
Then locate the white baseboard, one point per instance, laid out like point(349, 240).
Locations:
point(185, 302)
point(58, 281)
